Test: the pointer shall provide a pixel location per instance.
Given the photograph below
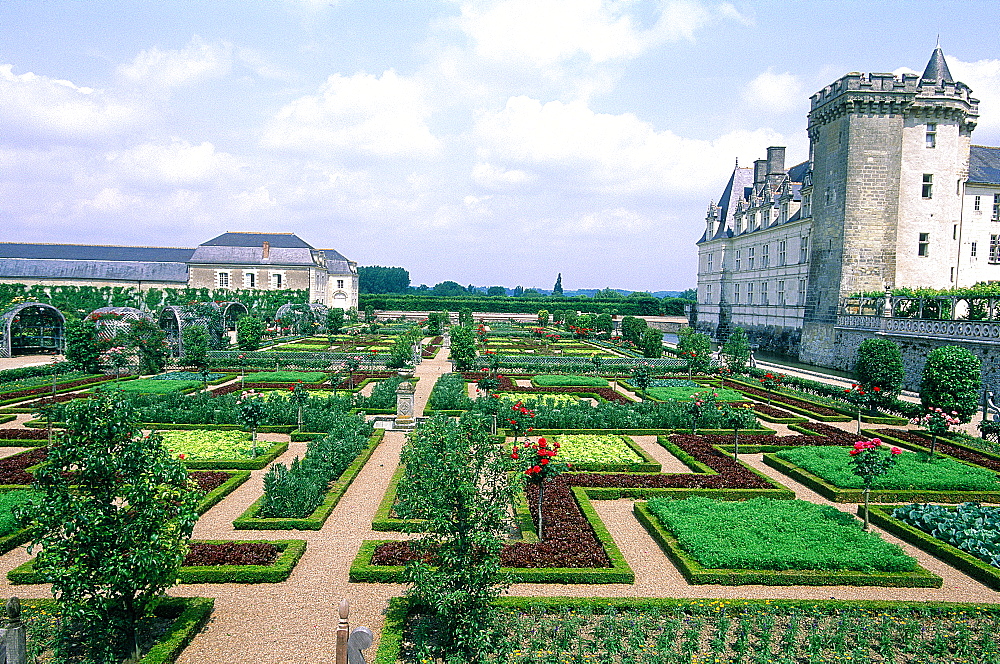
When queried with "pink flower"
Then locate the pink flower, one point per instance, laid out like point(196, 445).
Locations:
point(896, 450)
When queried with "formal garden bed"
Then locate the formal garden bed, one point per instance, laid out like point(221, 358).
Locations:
point(153, 386)
point(768, 542)
point(221, 450)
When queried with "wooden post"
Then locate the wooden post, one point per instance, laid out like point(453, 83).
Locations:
point(343, 629)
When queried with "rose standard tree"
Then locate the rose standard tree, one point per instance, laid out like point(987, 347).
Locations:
point(538, 460)
point(869, 461)
point(112, 522)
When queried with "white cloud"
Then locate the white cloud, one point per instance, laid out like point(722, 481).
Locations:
point(983, 76)
point(547, 32)
point(196, 61)
point(572, 147)
point(37, 110)
point(779, 93)
point(257, 199)
point(176, 163)
point(109, 199)
point(488, 175)
point(382, 116)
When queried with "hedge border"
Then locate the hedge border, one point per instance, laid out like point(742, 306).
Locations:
point(802, 410)
point(315, 521)
point(255, 463)
point(967, 563)
point(839, 495)
point(697, 574)
point(507, 433)
point(400, 609)
point(290, 553)
point(362, 571)
point(213, 497)
point(647, 465)
point(59, 390)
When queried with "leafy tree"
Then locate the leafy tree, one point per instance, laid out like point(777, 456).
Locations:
point(543, 317)
point(449, 289)
point(652, 342)
point(689, 294)
point(607, 294)
point(632, 329)
point(696, 349)
point(465, 316)
point(83, 346)
point(558, 315)
point(736, 351)
point(736, 417)
point(195, 338)
point(369, 313)
point(249, 332)
point(518, 291)
point(496, 291)
point(112, 521)
point(456, 480)
point(879, 364)
point(377, 279)
point(570, 318)
point(150, 344)
point(952, 379)
point(463, 347)
point(869, 461)
point(334, 320)
point(558, 289)
point(603, 324)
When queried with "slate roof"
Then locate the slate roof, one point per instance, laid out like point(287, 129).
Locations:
point(84, 252)
point(797, 173)
point(117, 270)
point(937, 69)
point(276, 240)
point(984, 165)
point(248, 249)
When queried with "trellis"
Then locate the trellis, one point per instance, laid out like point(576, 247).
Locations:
point(113, 321)
point(32, 326)
point(317, 310)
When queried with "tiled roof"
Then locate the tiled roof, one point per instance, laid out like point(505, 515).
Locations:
point(175, 273)
point(276, 240)
point(84, 252)
point(984, 165)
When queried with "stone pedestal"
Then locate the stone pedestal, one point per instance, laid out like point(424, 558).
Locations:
point(404, 406)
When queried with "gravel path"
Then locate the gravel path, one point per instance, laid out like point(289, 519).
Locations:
point(294, 621)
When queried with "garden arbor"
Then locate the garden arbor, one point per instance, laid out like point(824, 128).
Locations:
point(302, 318)
point(31, 327)
point(216, 317)
point(112, 322)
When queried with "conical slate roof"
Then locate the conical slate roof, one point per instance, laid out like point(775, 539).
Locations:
point(937, 69)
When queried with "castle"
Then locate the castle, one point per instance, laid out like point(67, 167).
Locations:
point(893, 194)
point(263, 261)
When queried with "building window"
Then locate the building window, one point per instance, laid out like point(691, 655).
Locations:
point(995, 248)
point(736, 260)
point(750, 257)
point(927, 190)
point(765, 257)
point(709, 262)
point(972, 249)
point(249, 280)
point(750, 291)
point(930, 137)
point(708, 293)
point(923, 244)
point(976, 203)
point(954, 231)
point(736, 293)
point(340, 283)
point(781, 253)
point(763, 292)
point(276, 281)
point(781, 293)
point(804, 249)
point(802, 292)
point(996, 207)
point(223, 281)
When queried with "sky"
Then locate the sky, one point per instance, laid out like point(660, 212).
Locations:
point(489, 142)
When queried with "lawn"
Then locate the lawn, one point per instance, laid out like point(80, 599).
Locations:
point(207, 445)
point(768, 534)
point(685, 390)
point(594, 448)
point(549, 380)
point(911, 471)
point(286, 377)
point(8, 500)
point(151, 386)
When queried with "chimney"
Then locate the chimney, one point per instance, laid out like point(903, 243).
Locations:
point(759, 171)
point(266, 249)
point(775, 161)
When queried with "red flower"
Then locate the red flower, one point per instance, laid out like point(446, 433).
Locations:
point(896, 450)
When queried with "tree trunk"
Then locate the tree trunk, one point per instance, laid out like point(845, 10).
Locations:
point(933, 444)
point(867, 527)
point(300, 418)
point(736, 444)
point(541, 489)
point(253, 440)
point(859, 419)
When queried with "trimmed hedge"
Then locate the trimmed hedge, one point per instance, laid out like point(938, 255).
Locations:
point(212, 498)
point(839, 495)
point(362, 571)
point(695, 573)
point(249, 521)
point(967, 563)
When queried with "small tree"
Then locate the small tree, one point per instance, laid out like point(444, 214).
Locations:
point(878, 363)
point(250, 332)
point(736, 351)
point(251, 411)
point(334, 321)
point(456, 481)
point(700, 402)
point(543, 317)
point(772, 383)
point(861, 398)
point(652, 343)
point(465, 316)
point(539, 466)
point(736, 417)
point(463, 347)
point(195, 346)
point(150, 344)
point(112, 523)
point(300, 396)
point(937, 423)
point(642, 376)
point(869, 461)
point(369, 314)
point(696, 349)
point(519, 421)
point(951, 381)
point(604, 325)
point(83, 346)
point(632, 329)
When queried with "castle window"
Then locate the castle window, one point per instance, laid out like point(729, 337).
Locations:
point(927, 189)
point(781, 293)
point(750, 290)
point(222, 280)
point(276, 281)
point(976, 202)
point(249, 280)
point(923, 244)
point(954, 231)
point(709, 262)
point(802, 292)
point(930, 137)
point(995, 248)
point(340, 283)
point(781, 253)
point(804, 249)
point(750, 257)
point(972, 249)
point(736, 293)
point(765, 258)
point(763, 292)
point(708, 293)
point(736, 260)
point(996, 207)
